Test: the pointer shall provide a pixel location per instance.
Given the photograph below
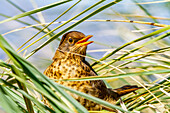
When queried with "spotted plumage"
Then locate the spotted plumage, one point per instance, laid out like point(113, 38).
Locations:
point(69, 62)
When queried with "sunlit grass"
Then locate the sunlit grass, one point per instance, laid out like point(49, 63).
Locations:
point(143, 61)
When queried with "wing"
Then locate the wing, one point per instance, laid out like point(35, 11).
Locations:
point(116, 93)
point(99, 84)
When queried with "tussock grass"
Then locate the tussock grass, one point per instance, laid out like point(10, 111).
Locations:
point(143, 60)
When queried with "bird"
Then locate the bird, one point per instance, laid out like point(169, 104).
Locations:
point(69, 62)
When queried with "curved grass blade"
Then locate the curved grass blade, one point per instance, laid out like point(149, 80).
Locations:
point(25, 23)
point(149, 98)
point(134, 41)
point(35, 11)
point(44, 29)
point(54, 37)
point(16, 6)
point(145, 10)
point(33, 18)
point(29, 70)
point(75, 24)
point(97, 100)
point(37, 77)
point(22, 86)
point(8, 104)
point(118, 75)
point(40, 89)
point(147, 54)
point(133, 50)
point(15, 96)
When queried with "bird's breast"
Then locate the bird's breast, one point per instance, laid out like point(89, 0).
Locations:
point(65, 69)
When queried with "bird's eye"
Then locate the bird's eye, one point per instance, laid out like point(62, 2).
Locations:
point(70, 40)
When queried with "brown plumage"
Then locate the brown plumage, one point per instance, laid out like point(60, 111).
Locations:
point(70, 63)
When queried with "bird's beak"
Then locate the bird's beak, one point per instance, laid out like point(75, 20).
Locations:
point(84, 41)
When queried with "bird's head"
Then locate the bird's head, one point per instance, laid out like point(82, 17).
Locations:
point(73, 42)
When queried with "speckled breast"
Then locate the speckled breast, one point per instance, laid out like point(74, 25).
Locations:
point(65, 69)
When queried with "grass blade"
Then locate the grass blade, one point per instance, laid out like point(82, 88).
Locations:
point(35, 11)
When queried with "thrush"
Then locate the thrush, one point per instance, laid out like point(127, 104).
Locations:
point(69, 62)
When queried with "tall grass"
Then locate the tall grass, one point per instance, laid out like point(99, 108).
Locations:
point(141, 60)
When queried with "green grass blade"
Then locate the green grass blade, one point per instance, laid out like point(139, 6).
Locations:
point(133, 50)
point(145, 10)
point(23, 22)
point(36, 76)
point(16, 6)
point(35, 11)
point(8, 104)
point(134, 41)
point(45, 28)
point(75, 24)
point(55, 36)
point(118, 75)
point(97, 100)
point(29, 70)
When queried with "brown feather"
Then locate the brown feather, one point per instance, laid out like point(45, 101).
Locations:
point(67, 65)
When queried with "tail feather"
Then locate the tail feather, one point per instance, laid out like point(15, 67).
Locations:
point(126, 89)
